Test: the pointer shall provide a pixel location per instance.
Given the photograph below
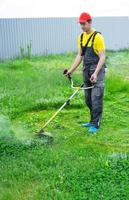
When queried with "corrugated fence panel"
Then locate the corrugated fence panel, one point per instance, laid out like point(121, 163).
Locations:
point(57, 35)
point(115, 31)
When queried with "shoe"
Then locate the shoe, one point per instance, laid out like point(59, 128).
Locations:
point(87, 125)
point(93, 130)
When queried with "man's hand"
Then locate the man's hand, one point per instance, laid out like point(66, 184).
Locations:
point(93, 78)
point(67, 72)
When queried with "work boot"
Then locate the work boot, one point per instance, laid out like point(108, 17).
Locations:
point(93, 130)
point(87, 124)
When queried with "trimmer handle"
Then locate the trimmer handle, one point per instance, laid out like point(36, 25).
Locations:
point(65, 72)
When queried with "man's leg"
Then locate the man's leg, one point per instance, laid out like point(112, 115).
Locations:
point(97, 99)
point(87, 93)
point(97, 105)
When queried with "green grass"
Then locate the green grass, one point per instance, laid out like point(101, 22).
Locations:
point(75, 166)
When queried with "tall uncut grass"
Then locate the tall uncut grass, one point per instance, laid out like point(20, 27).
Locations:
point(75, 165)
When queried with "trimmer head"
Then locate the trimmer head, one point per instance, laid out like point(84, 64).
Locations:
point(43, 134)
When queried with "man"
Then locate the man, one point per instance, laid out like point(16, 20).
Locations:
point(91, 49)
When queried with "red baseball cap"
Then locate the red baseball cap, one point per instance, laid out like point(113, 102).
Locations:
point(84, 17)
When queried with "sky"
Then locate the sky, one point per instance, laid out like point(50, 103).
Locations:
point(65, 8)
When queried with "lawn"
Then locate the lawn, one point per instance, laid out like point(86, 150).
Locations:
point(76, 165)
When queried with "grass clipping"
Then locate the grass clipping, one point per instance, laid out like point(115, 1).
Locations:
point(10, 142)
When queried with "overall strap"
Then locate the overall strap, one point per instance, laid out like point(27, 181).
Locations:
point(81, 40)
point(95, 33)
point(84, 48)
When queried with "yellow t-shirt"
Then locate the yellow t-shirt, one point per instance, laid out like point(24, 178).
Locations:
point(99, 43)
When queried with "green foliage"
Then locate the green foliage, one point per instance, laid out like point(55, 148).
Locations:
point(76, 165)
point(27, 51)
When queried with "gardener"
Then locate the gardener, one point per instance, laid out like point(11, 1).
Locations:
point(91, 49)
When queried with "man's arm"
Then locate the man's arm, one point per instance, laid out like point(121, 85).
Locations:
point(76, 63)
point(101, 55)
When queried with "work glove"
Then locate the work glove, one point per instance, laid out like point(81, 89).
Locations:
point(66, 73)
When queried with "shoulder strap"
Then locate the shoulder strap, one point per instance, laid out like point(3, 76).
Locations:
point(95, 33)
point(90, 38)
point(81, 40)
point(84, 48)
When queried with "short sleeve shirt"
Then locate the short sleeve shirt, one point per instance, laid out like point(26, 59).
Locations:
point(99, 43)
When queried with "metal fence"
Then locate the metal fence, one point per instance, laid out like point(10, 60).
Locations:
point(57, 35)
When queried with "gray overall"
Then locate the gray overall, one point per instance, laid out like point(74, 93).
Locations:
point(94, 96)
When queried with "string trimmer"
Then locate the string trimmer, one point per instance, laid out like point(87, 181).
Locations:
point(42, 133)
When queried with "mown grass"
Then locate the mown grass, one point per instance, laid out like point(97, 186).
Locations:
point(76, 165)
